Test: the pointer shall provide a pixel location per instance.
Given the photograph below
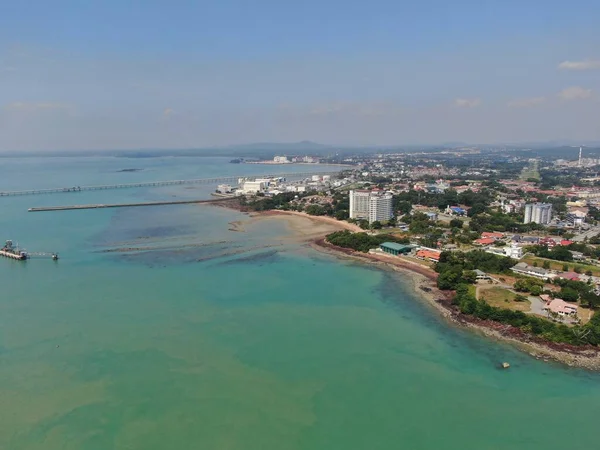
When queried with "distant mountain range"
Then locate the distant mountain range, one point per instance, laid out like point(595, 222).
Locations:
point(281, 146)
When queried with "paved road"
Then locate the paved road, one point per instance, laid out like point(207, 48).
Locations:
point(536, 306)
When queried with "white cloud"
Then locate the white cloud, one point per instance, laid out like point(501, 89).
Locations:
point(526, 102)
point(40, 106)
point(467, 102)
point(575, 93)
point(588, 64)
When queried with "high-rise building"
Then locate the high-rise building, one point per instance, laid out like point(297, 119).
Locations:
point(538, 213)
point(359, 204)
point(371, 206)
point(380, 208)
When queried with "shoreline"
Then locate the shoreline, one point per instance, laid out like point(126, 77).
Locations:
point(423, 281)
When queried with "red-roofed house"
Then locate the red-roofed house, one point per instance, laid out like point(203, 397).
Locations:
point(547, 241)
point(430, 255)
point(569, 276)
point(565, 242)
point(561, 307)
point(494, 235)
point(486, 241)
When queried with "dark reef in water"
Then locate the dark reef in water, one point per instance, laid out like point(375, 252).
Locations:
point(130, 170)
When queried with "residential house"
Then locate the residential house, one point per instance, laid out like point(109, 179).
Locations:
point(485, 241)
point(429, 255)
point(560, 307)
point(537, 272)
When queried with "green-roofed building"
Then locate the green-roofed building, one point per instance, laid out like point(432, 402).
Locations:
point(396, 249)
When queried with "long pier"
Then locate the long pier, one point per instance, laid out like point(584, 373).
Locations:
point(158, 183)
point(127, 205)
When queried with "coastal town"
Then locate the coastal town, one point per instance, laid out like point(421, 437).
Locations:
point(510, 239)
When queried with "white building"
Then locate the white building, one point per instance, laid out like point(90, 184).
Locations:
point(252, 187)
point(372, 206)
point(224, 188)
point(513, 252)
point(380, 208)
point(281, 159)
point(359, 204)
point(576, 217)
point(538, 213)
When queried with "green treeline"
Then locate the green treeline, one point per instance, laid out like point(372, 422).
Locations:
point(361, 242)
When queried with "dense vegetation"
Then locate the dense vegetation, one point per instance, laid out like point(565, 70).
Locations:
point(558, 253)
point(454, 267)
point(361, 242)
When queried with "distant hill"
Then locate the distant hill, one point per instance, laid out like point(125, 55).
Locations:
point(282, 146)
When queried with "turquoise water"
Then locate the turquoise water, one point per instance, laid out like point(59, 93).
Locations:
point(209, 338)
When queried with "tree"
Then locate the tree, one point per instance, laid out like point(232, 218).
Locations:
point(364, 224)
point(520, 298)
point(449, 279)
point(589, 273)
point(456, 223)
point(476, 209)
point(469, 276)
point(577, 269)
point(376, 225)
point(546, 265)
point(403, 207)
point(565, 267)
point(569, 294)
point(535, 264)
point(535, 290)
point(315, 210)
point(341, 214)
point(392, 222)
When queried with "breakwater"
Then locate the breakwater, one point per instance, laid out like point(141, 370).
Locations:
point(125, 205)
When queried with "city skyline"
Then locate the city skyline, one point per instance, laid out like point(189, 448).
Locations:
point(183, 76)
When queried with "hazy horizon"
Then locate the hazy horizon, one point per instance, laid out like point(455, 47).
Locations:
point(175, 75)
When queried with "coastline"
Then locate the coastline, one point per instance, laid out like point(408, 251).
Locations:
point(423, 281)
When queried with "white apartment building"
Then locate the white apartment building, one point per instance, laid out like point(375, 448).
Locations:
point(371, 206)
point(538, 213)
point(359, 204)
point(380, 208)
point(281, 159)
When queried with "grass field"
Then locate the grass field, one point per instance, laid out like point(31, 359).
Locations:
point(502, 298)
point(558, 265)
point(531, 171)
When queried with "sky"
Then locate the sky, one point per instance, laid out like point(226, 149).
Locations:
point(131, 74)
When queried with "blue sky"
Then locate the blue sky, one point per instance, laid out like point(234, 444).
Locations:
point(155, 74)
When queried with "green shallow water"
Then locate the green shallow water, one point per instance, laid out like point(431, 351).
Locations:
point(222, 340)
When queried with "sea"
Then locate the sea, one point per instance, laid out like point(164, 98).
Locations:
point(162, 328)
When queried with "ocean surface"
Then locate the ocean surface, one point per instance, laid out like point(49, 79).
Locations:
point(159, 328)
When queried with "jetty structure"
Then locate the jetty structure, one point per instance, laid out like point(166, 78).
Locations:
point(12, 251)
point(148, 184)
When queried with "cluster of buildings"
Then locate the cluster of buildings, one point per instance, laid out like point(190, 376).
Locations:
point(374, 206)
point(279, 185)
point(295, 159)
